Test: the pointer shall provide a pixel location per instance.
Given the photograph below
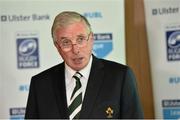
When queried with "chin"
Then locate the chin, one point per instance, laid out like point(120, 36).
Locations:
point(78, 68)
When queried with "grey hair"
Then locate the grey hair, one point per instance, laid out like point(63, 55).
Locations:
point(66, 18)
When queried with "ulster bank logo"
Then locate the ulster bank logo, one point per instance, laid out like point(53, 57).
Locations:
point(171, 109)
point(3, 18)
point(173, 45)
point(17, 113)
point(102, 44)
point(27, 53)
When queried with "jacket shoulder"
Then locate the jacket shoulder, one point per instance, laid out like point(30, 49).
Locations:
point(51, 71)
point(114, 65)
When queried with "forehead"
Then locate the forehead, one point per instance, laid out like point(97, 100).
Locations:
point(78, 28)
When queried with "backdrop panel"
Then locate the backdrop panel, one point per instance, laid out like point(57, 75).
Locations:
point(163, 27)
point(27, 47)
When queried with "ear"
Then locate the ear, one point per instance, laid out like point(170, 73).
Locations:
point(57, 47)
point(92, 37)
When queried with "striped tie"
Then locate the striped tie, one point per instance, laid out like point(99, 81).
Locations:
point(76, 98)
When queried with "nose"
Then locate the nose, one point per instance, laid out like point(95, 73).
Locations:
point(75, 49)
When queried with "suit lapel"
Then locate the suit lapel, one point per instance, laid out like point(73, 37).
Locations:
point(93, 86)
point(60, 91)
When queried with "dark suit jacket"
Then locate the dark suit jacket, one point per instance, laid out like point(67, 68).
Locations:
point(111, 93)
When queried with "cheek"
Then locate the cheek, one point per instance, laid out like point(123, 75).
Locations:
point(86, 50)
point(66, 57)
point(63, 55)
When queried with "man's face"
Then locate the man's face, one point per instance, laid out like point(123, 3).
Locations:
point(78, 56)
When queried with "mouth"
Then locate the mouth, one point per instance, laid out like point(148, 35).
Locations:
point(78, 60)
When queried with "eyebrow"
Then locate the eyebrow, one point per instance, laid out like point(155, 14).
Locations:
point(80, 35)
point(64, 38)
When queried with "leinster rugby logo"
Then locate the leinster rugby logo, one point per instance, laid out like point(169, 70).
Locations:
point(173, 45)
point(27, 52)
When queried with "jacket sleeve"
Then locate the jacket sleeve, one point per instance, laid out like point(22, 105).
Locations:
point(31, 108)
point(130, 102)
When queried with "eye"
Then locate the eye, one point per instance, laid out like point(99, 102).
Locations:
point(79, 40)
point(65, 42)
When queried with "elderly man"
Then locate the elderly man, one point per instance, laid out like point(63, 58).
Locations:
point(83, 86)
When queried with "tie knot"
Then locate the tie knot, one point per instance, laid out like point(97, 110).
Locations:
point(77, 75)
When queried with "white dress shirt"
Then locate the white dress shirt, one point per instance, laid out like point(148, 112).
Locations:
point(71, 83)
